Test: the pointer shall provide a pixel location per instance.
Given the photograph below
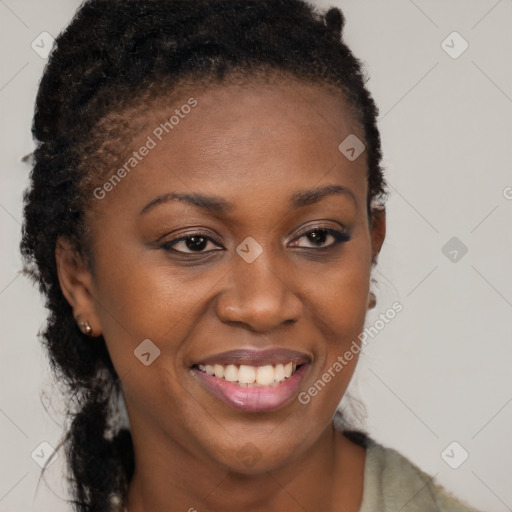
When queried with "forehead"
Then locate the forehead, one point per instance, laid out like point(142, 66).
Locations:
point(235, 137)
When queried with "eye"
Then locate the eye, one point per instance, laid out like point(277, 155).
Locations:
point(193, 243)
point(321, 238)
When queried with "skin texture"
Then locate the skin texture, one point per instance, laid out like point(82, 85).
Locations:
point(255, 146)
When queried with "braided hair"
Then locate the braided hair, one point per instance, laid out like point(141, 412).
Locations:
point(114, 59)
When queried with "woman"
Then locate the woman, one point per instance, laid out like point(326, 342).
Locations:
point(205, 209)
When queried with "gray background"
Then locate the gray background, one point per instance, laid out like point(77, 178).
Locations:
point(440, 371)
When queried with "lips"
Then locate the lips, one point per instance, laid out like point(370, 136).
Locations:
point(253, 380)
point(256, 357)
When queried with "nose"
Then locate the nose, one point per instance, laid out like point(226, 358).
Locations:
point(260, 297)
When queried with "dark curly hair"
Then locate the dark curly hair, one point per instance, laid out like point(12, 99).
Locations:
point(114, 59)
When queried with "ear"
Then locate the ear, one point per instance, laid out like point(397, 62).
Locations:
point(76, 284)
point(378, 231)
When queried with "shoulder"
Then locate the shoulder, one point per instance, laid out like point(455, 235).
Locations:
point(392, 482)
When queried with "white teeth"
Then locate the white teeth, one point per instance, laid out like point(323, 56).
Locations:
point(248, 376)
point(219, 370)
point(265, 375)
point(279, 373)
point(231, 373)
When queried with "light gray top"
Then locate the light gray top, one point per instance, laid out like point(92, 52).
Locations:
point(392, 483)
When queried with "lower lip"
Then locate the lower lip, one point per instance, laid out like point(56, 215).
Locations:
point(256, 398)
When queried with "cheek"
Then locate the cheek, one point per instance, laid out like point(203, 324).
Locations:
point(138, 301)
point(340, 298)
point(142, 302)
point(339, 307)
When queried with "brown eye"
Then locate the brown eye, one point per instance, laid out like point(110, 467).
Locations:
point(321, 238)
point(192, 243)
point(317, 237)
point(196, 243)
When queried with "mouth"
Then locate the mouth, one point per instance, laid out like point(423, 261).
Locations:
point(251, 376)
point(251, 380)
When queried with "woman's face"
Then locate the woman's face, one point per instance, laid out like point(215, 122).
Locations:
point(240, 238)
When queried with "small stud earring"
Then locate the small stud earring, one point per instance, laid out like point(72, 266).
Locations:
point(372, 300)
point(117, 502)
point(85, 327)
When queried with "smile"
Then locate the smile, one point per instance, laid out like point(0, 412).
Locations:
point(268, 380)
point(251, 376)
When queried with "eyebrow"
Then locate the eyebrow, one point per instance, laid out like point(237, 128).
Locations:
point(310, 196)
point(222, 206)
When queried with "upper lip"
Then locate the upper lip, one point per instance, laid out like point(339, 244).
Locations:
point(253, 357)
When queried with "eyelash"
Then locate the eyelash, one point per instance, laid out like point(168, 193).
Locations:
point(338, 236)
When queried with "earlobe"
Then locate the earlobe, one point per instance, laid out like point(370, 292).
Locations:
point(378, 228)
point(76, 284)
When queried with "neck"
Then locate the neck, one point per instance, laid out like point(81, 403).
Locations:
point(329, 473)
